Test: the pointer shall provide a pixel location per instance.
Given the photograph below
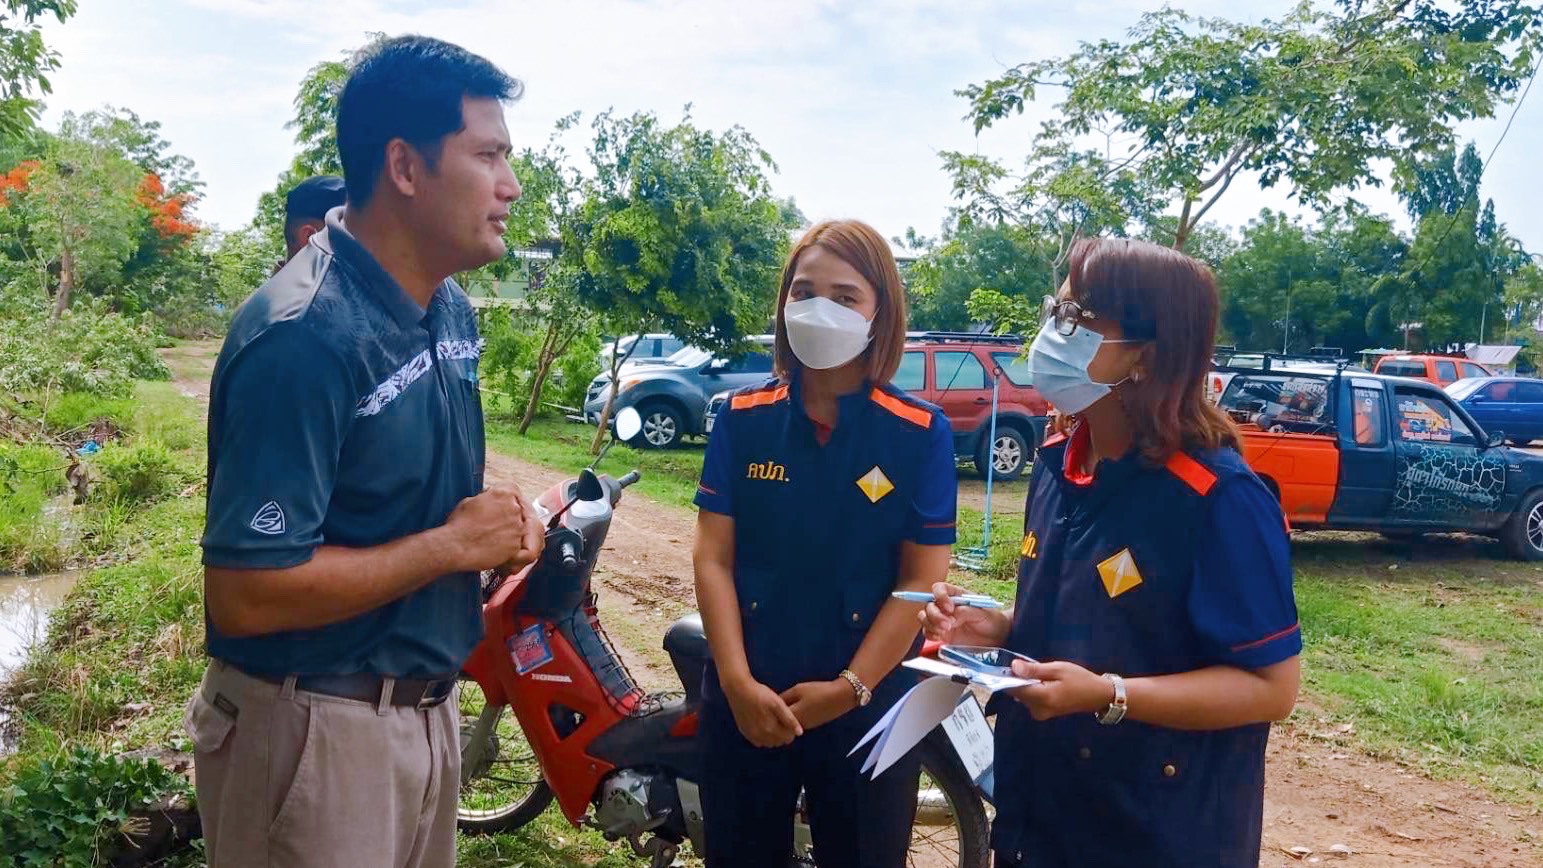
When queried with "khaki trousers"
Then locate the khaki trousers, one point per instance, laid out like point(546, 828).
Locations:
point(290, 779)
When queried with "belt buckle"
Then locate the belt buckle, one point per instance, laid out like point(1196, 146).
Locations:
point(428, 700)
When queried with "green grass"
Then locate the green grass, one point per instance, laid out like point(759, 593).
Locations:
point(549, 842)
point(669, 476)
point(1432, 667)
point(32, 536)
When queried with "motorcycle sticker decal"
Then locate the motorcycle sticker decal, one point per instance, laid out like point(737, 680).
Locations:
point(530, 650)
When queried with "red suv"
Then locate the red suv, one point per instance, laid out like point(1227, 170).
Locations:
point(954, 371)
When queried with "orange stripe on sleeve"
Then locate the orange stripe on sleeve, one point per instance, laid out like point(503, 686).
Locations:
point(1193, 473)
point(759, 399)
point(914, 415)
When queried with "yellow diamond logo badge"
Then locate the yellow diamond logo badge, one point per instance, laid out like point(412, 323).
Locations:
point(1119, 573)
point(875, 484)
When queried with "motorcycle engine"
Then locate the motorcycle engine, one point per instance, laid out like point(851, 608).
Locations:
point(632, 802)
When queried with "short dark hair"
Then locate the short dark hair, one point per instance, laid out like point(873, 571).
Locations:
point(409, 88)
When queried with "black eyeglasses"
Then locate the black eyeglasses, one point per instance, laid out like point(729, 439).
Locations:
point(1067, 315)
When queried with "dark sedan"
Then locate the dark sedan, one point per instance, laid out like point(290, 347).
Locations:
point(1512, 406)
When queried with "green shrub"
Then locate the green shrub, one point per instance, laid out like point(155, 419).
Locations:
point(140, 473)
point(89, 349)
point(66, 812)
point(509, 364)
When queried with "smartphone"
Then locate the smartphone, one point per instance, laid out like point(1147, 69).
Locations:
point(992, 661)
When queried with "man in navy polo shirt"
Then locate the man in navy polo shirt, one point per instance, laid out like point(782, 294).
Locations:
point(347, 522)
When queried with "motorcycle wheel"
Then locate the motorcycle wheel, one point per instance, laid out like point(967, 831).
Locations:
point(502, 789)
point(951, 829)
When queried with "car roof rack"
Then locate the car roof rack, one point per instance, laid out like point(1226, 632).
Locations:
point(963, 338)
point(1223, 361)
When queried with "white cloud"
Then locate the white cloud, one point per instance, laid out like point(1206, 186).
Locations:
point(853, 100)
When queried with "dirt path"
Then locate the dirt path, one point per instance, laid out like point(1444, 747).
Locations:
point(1007, 498)
point(1321, 791)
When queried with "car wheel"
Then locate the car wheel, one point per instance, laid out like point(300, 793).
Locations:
point(663, 426)
point(1009, 454)
point(1523, 534)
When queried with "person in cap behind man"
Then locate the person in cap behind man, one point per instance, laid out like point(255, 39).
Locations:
point(306, 207)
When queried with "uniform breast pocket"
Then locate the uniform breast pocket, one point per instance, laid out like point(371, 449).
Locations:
point(759, 610)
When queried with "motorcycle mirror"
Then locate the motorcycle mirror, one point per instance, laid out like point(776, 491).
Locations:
point(589, 487)
point(625, 426)
point(628, 424)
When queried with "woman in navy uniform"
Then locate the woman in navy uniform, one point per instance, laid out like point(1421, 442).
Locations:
point(1154, 588)
point(822, 492)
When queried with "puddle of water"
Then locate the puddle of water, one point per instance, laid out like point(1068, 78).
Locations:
point(25, 605)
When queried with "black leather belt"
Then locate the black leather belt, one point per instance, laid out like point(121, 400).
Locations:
point(405, 693)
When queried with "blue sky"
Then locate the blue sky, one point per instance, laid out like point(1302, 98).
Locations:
point(854, 100)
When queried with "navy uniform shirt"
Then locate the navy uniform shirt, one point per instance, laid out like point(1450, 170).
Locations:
point(1138, 571)
point(343, 413)
point(818, 528)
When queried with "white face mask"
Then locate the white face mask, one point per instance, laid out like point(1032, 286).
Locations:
point(824, 334)
point(1058, 367)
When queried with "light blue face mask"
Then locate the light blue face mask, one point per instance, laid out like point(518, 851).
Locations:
point(1058, 367)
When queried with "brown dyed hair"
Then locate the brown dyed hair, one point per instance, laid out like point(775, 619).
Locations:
point(1158, 293)
point(862, 247)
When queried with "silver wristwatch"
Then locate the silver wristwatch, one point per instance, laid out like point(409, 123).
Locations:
point(1116, 710)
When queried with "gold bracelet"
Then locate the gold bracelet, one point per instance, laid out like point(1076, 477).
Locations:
point(864, 695)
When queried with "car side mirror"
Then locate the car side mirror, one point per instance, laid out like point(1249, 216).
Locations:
point(1478, 399)
point(1495, 438)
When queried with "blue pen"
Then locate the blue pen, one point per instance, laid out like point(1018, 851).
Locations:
point(974, 601)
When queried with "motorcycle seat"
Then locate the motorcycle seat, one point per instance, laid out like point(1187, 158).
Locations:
point(686, 639)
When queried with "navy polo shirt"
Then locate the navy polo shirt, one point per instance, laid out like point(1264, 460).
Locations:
point(344, 414)
point(1142, 570)
point(818, 527)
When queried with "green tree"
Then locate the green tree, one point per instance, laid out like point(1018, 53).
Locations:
point(551, 306)
point(1312, 100)
point(82, 209)
point(26, 61)
point(678, 230)
point(1291, 285)
point(315, 127)
point(1462, 257)
point(1003, 258)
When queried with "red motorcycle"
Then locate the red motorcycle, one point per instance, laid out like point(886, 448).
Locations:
point(616, 758)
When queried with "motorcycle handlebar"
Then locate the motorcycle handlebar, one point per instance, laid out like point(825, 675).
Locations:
point(629, 479)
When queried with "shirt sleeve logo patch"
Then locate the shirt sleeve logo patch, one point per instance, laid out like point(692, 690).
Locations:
point(269, 520)
point(875, 484)
point(1119, 573)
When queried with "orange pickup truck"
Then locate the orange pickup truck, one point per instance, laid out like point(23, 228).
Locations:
point(1355, 451)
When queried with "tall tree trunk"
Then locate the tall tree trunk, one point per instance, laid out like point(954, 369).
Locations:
point(544, 361)
point(1181, 232)
point(617, 360)
point(66, 284)
point(543, 367)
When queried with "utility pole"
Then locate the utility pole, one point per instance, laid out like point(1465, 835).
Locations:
point(1286, 341)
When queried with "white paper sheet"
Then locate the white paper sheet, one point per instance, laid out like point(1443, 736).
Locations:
point(922, 708)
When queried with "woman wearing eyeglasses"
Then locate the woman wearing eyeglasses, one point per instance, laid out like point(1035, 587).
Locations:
point(1154, 588)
